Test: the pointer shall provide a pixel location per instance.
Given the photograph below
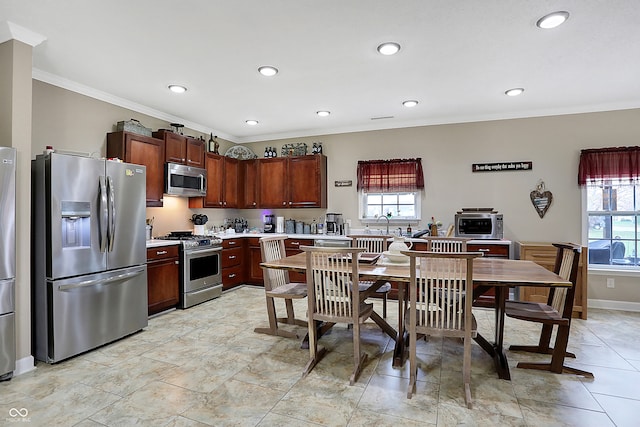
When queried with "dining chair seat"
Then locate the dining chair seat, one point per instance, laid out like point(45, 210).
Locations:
point(556, 312)
point(278, 286)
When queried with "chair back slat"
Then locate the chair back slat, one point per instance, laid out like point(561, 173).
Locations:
point(441, 291)
point(564, 271)
point(373, 244)
point(273, 249)
point(446, 244)
point(330, 277)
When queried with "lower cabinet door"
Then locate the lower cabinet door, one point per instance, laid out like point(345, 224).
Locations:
point(163, 279)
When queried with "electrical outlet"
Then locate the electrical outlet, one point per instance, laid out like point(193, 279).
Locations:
point(611, 282)
point(349, 222)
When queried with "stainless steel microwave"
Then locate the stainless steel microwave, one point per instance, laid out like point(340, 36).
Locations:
point(185, 181)
point(479, 225)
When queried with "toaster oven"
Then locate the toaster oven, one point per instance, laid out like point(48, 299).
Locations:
point(479, 225)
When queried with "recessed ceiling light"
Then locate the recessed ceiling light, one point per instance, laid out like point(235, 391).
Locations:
point(323, 113)
point(514, 92)
point(177, 88)
point(251, 122)
point(552, 20)
point(410, 103)
point(268, 70)
point(389, 48)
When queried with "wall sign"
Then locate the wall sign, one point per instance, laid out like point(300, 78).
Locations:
point(344, 183)
point(502, 167)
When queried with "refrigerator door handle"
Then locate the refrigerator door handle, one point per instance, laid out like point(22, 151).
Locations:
point(93, 282)
point(103, 211)
point(112, 212)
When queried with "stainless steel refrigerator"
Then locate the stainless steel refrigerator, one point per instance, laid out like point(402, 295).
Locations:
point(89, 277)
point(7, 261)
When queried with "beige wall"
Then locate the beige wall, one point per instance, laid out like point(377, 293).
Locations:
point(75, 122)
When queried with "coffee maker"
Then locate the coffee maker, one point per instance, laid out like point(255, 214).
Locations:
point(269, 224)
point(335, 224)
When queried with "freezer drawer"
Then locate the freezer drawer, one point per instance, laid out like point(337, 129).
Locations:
point(89, 311)
point(7, 345)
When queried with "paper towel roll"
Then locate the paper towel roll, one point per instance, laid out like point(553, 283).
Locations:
point(280, 224)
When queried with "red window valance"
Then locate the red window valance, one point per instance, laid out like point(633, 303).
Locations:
point(609, 163)
point(390, 175)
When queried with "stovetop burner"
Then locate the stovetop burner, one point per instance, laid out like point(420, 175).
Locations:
point(189, 240)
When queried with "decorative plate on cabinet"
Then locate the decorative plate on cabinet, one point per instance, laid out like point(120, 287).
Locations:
point(240, 152)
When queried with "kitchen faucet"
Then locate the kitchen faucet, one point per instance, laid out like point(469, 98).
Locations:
point(385, 217)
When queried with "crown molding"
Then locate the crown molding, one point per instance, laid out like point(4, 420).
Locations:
point(11, 31)
point(72, 86)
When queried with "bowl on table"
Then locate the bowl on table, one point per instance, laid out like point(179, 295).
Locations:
point(395, 256)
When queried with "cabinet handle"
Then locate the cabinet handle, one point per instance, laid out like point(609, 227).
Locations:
point(220, 203)
point(254, 203)
point(295, 243)
point(161, 252)
point(232, 275)
point(284, 203)
point(484, 250)
point(232, 257)
point(176, 262)
point(224, 203)
point(232, 243)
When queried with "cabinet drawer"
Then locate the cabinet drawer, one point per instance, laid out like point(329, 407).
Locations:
point(254, 242)
point(296, 243)
point(498, 251)
point(231, 276)
point(231, 257)
point(231, 243)
point(162, 252)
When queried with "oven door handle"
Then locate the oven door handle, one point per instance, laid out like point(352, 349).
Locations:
point(199, 252)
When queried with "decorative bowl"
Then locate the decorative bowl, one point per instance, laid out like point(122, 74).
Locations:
point(395, 256)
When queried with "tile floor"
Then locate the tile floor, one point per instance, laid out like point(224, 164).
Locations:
point(206, 366)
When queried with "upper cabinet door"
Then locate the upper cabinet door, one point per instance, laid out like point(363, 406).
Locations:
point(307, 181)
point(231, 191)
point(249, 183)
point(141, 150)
point(214, 164)
point(194, 152)
point(272, 182)
point(175, 148)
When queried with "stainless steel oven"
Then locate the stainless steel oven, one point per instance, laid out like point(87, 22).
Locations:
point(201, 274)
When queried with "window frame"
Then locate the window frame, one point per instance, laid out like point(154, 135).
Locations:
point(599, 269)
point(362, 208)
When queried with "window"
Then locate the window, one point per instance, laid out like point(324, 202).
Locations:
point(613, 205)
point(390, 188)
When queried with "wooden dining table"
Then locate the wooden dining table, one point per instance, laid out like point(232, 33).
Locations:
point(488, 273)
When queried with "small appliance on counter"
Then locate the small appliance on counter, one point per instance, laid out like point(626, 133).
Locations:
point(280, 224)
point(269, 224)
point(335, 224)
point(479, 223)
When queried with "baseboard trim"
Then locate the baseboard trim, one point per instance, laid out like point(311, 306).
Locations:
point(24, 365)
point(614, 305)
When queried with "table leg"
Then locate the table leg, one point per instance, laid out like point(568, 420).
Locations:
point(399, 350)
point(496, 350)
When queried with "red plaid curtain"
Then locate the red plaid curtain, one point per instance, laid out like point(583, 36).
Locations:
point(609, 163)
point(396, 175)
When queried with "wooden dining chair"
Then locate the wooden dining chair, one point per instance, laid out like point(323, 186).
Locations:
point(556, 312)
point(277, 285)
point(440, 297)
point(374, 244)
point(334, 299)
point(446, 244)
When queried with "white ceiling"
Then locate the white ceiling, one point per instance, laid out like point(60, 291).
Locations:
point(457, 59)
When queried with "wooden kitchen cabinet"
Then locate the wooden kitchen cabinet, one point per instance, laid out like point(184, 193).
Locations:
point(181, 149)
point(163, 278)
point(545, 255)
point(292, 247)
point(491, 250)
point(249, 184)
point(232, 266)
point(293, 182)
point(254, 257)
point(141, 150)
point(222, 183)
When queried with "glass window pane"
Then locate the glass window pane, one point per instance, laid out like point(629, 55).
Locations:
point(390, 208)
point(390, 199)
point(374, 199)
point(623, 227)
point(624, 197)
point(596, 226)
point(594, 198)
point(407, 211)
point(373, 211)
point(407, 199)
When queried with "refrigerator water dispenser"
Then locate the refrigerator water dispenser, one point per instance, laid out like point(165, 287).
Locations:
point(76, 224)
